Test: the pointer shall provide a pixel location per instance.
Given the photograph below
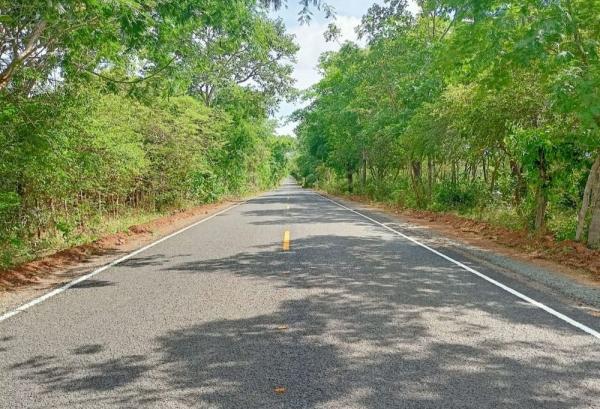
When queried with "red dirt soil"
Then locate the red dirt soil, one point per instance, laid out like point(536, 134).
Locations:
point(48, 271)
point(568, 257)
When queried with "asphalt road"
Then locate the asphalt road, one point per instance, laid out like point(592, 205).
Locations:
point(351, 316)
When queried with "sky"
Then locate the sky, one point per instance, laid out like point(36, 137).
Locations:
point(312, 44)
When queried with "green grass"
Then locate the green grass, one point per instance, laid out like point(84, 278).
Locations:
point(21, 251)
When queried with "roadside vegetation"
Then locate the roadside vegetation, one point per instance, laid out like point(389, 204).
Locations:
point(113, 112)
point(489, 109)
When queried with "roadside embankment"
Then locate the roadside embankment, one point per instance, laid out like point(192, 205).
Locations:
point(567, 268)
point(28, 280)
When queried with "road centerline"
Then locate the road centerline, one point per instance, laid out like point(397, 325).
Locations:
point(286, 240)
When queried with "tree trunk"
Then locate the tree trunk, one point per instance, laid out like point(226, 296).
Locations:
point(591, 186)
point(594, 230)
point(349, 175)
point(416, 171)
point(484, 166)
point(521, 186)
point(364, 170)
point(541, 196)
point(594, 233)
point(494, 176)
point(19, 57)
point(417, 175)
point(541, 202)
point(430, 175)
point(454, 171)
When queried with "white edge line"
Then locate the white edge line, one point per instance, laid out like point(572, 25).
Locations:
point(506, 288)
point(78, 280)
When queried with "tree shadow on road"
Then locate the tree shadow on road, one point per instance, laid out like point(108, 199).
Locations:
point(409, 333)
point(304, 208)
point(366, 324)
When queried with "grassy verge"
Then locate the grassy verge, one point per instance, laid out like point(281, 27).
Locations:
point(21, 251)
point(18, 252)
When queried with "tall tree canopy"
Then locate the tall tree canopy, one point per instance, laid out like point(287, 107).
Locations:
point(207, 44)
point(113, 110)
point(469, 105)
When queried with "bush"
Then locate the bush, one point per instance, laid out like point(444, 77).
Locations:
point(207, 187)
point(562, 224)
point(457, 196)
point(310, 180)
point(89, 157)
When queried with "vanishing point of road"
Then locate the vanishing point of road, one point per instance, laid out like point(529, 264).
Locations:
point(289, 300)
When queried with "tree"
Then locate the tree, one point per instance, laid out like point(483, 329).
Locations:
point(499, 99)
point(259, 56)
point(305, 13)
point(100, 122)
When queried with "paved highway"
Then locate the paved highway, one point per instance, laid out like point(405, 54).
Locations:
point(291, 301)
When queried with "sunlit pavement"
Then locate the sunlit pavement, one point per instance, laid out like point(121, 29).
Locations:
point(289, 301)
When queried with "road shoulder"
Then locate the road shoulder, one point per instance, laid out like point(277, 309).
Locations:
point(573, 287)
point(34, 279)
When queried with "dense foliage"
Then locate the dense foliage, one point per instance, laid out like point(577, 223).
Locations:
point(490, 108)
point(112, 110)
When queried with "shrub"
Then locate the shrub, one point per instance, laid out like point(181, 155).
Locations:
point(457, 196)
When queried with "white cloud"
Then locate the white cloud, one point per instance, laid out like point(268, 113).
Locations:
point(312, 44)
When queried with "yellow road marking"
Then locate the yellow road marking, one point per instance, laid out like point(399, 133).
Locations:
point(286, 241)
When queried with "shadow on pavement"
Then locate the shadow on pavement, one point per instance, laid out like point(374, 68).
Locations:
point(305, 208)
point(369, 326)
point(91, 283)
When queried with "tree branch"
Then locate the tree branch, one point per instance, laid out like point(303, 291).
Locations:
point(135, 81)
point(18, 58)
